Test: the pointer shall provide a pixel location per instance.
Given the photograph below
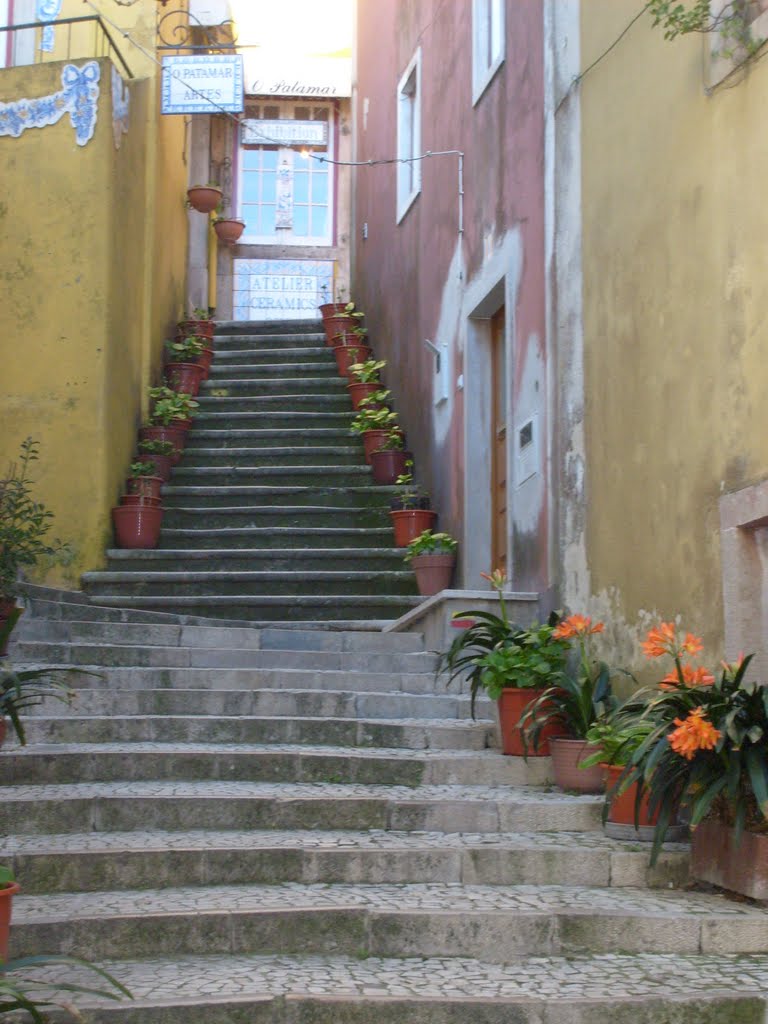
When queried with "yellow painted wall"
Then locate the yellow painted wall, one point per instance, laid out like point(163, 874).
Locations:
point(92, 279)
point(675, 295)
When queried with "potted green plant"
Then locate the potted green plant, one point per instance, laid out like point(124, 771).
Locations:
point(204, 198)
point(170, 418)
point(513, 664)
point(228, 229)
point(24, 527)
point(334, 308)
point(373, 422)
point(364, 380)
point(159, 454)
point(199, 323)
point(347, 355)
point(184, 369)
point(339, 322)
point(409, 510)
point(432, 556)
point(581, 697)
point(389, 461)
point(142, 484)
point(706, 758)
point(355, 336)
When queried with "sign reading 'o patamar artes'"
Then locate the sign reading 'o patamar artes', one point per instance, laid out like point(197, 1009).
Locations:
point(202, 84)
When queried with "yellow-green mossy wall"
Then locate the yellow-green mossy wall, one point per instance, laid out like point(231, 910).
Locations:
point(675, 296)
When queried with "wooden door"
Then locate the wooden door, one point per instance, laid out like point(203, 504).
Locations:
point(499, 461)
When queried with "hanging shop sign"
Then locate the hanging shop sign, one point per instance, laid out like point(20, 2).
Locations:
point(206, 84)
point(284, 133)
point(320, 77)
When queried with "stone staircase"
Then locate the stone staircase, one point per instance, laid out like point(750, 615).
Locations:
point(271, 515)
point(290, 826)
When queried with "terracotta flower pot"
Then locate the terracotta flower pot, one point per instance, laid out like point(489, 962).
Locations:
point(140, 499)
point(229, 230)
point(137, 526)
point(566, 755)
point(173, 434)
point(718, 859)
point(7, 893)
point(373, 441)
point(145, 486)
point(512, 705)
point(359, 391)
point(346, 355)
point(408, 523)
point(622, 810)
point(162, 464)
point(7, 605)
point(334, 325)
point(185, 377)
point(197, 328)
point(350, 338)
point(332, 309)
point(388, 464)
point(204, 198)
point(433, 572)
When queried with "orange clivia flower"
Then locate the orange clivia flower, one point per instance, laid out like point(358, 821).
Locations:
point(660, 641)
point(497, 578)
point(693, 733)
point(692, 644)
point(691, 677)
point(576, 625)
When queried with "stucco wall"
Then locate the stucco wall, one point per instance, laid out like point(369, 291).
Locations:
point(91, 277)
point(675, 297)
point(420, 280)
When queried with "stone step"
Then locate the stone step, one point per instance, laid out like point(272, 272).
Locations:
point(278, 538)
point(67, 763)
point(274, 340)
point(643, 988)
point(291, 421)
point(350, 454)
point(417, 710)
point(278, 328)
point(371, 581)
point(94, 861)
point(340, 611)
point(276, 517)
point(182, 656)
point(237, 365)
point(233, 559)
point(289, 435)
point(242, 495)
point(199, 726)
point(238, 806)
point(261, 402)
point(292, 388)
point(322, 477)
point(495, 925)
point(265, 355)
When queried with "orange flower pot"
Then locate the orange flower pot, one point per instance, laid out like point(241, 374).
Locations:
point(622, 810)
point(6, 901)
point(204, 198)
point(512, 705)
point(408, 523)
point(185, 377)
point(347, 355)
point(433, 572)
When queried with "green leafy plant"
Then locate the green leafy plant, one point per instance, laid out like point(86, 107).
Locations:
point(24, 522)
point(582, 694)
point(493, 652)
point(367, 372)
point(187, 350)
point(156, 447)
point(410, 494)
point(22, 989)
point(200, 313)
point(142, 469)
point(367, 418)
point(351, 310)
point(617, 736)
point(393, 442)
point(429, 543)
point(707, 751)
point(170, 405)
point(732, 23)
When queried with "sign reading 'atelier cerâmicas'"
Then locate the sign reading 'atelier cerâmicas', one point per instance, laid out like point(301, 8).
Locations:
point(203, 85)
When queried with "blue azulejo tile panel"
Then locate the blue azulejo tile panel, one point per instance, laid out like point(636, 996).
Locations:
point(281, 289)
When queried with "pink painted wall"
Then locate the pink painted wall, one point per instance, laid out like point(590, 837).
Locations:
point(400, 271)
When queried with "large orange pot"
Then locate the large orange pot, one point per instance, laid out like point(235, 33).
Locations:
point(408, 523)
point(6, 899)
point(566, 755)
point(622, 810)
point(512, 705)
point(433, 572)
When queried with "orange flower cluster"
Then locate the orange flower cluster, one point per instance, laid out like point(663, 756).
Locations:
point(663, 640)
point(693, 733)
point(497, 578)
point(691, 677)
point(576, 625)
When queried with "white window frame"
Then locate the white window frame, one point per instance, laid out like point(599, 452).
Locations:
point(409, 135)
point(488, 43)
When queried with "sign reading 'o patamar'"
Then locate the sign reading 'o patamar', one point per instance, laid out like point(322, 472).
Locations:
point(285, 133)
point(202, 85)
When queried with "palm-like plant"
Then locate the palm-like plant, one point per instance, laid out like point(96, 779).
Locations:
point(20, 989)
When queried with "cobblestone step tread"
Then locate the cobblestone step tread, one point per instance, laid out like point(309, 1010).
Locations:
point(642, 988)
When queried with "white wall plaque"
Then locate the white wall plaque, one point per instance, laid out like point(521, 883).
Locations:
point(203, 84)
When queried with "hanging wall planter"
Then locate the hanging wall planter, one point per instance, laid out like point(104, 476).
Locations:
point(204, 198)
point(228, 229)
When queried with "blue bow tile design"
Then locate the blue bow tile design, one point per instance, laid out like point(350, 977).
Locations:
point(79, 98)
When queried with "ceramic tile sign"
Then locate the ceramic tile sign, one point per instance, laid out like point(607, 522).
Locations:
point(207, 84)
point(281, 289)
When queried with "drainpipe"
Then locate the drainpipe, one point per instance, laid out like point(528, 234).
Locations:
point(213, 252)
